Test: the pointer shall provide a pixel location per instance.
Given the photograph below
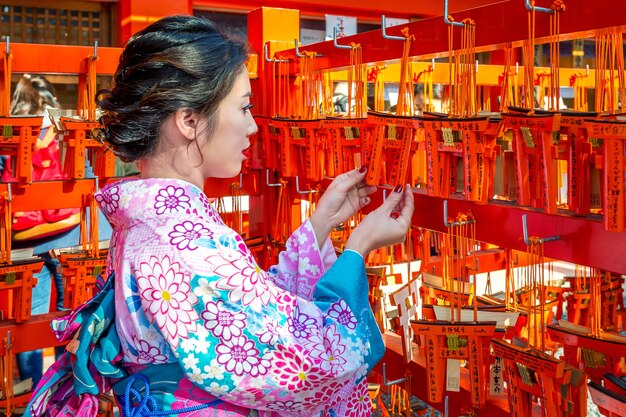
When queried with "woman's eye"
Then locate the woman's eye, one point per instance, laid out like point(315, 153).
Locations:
point(248, 108)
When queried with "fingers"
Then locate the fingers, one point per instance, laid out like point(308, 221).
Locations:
point(393, 199)
point(349, 179)
point(365, 190)
point(406, 212)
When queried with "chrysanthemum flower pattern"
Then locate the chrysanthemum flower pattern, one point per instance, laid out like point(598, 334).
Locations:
point(246, 282)
point(186, 233)
point(222, 322)
point(300, 325)
point(171, 199)
point(166, 295)
point(293, 368)
point(150, 354)
point(109, 199)
point(240, 356)
point(359, 402)
point(341, 313)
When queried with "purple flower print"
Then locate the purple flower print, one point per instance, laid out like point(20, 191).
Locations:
point(342, 314)
point(299, 324)
point(185, 233)
point(150, 354)
point(109, 199)
point(171, 199)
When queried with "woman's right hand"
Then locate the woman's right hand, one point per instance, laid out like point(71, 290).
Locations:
point(387, 225)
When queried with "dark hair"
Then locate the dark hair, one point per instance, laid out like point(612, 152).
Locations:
point(177, 62)
point(32, 95)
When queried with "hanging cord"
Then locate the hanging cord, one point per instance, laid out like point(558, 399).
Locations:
point(405, 106)
point(451, 69)
point(507, 88)
point(357, 79)
point(529, 63)
point(555, 55)
point(375, 75)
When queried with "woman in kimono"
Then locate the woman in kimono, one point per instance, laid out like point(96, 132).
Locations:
point(187, 323)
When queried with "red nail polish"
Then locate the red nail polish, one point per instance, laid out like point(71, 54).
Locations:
point(363, 169)
point(398, 188)
point(394, 215)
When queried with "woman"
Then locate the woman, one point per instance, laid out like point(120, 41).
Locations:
point(198, 328)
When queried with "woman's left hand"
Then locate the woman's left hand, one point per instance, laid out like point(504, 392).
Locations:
point(343, 198)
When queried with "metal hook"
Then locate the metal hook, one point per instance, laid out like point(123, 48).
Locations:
point(384, 31)
point(529, 7)
point(95, 50)
point(300, 191)
point(10, 192)
point(267, 56)
point(445, 217)
point(446, 17)
point(541, 239)
point(335, 40)
point(267, 180)
point(7, 48)
point(587, 70)
point(390, 383)
point(516, 68)
point(432, 64)
point(297, 48)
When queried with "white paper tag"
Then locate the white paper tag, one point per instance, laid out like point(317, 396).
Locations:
point(453, 375)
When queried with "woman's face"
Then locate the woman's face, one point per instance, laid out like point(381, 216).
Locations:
point(223, 152)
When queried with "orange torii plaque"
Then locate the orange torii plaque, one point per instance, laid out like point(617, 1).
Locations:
point(460, 340)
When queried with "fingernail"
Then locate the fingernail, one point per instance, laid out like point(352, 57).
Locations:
point(363, 169)
point(397, 189)
point(394, 215)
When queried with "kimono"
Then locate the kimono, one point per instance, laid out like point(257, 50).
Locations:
point(187, 322)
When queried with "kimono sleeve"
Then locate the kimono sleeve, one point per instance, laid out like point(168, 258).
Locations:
point(243, 339)
point(303, 262)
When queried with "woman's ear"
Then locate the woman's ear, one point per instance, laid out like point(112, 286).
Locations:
point(186, 120)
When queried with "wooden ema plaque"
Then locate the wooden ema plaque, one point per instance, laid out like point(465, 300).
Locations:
point(387, 151)
point(535, 158)
point(460, 340)
point(16, 287)
point(531, 374)
point(301, 148)
point(19, 136)
point(79, 274)
point(578, 153)
point(268, 135)
point(343, 149)
point(74, 146)
point(596, 356)
point(472, 139)
point(610, 403)
point(613, 135)
point(615, 384)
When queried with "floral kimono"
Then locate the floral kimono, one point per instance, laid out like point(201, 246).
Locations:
point(188, 323)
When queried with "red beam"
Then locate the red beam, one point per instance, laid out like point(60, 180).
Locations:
point(61, 59)
point(496, 25)
point(22, 339)
point(583, 240)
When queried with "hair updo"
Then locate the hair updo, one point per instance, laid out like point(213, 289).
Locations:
point(177, 62)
